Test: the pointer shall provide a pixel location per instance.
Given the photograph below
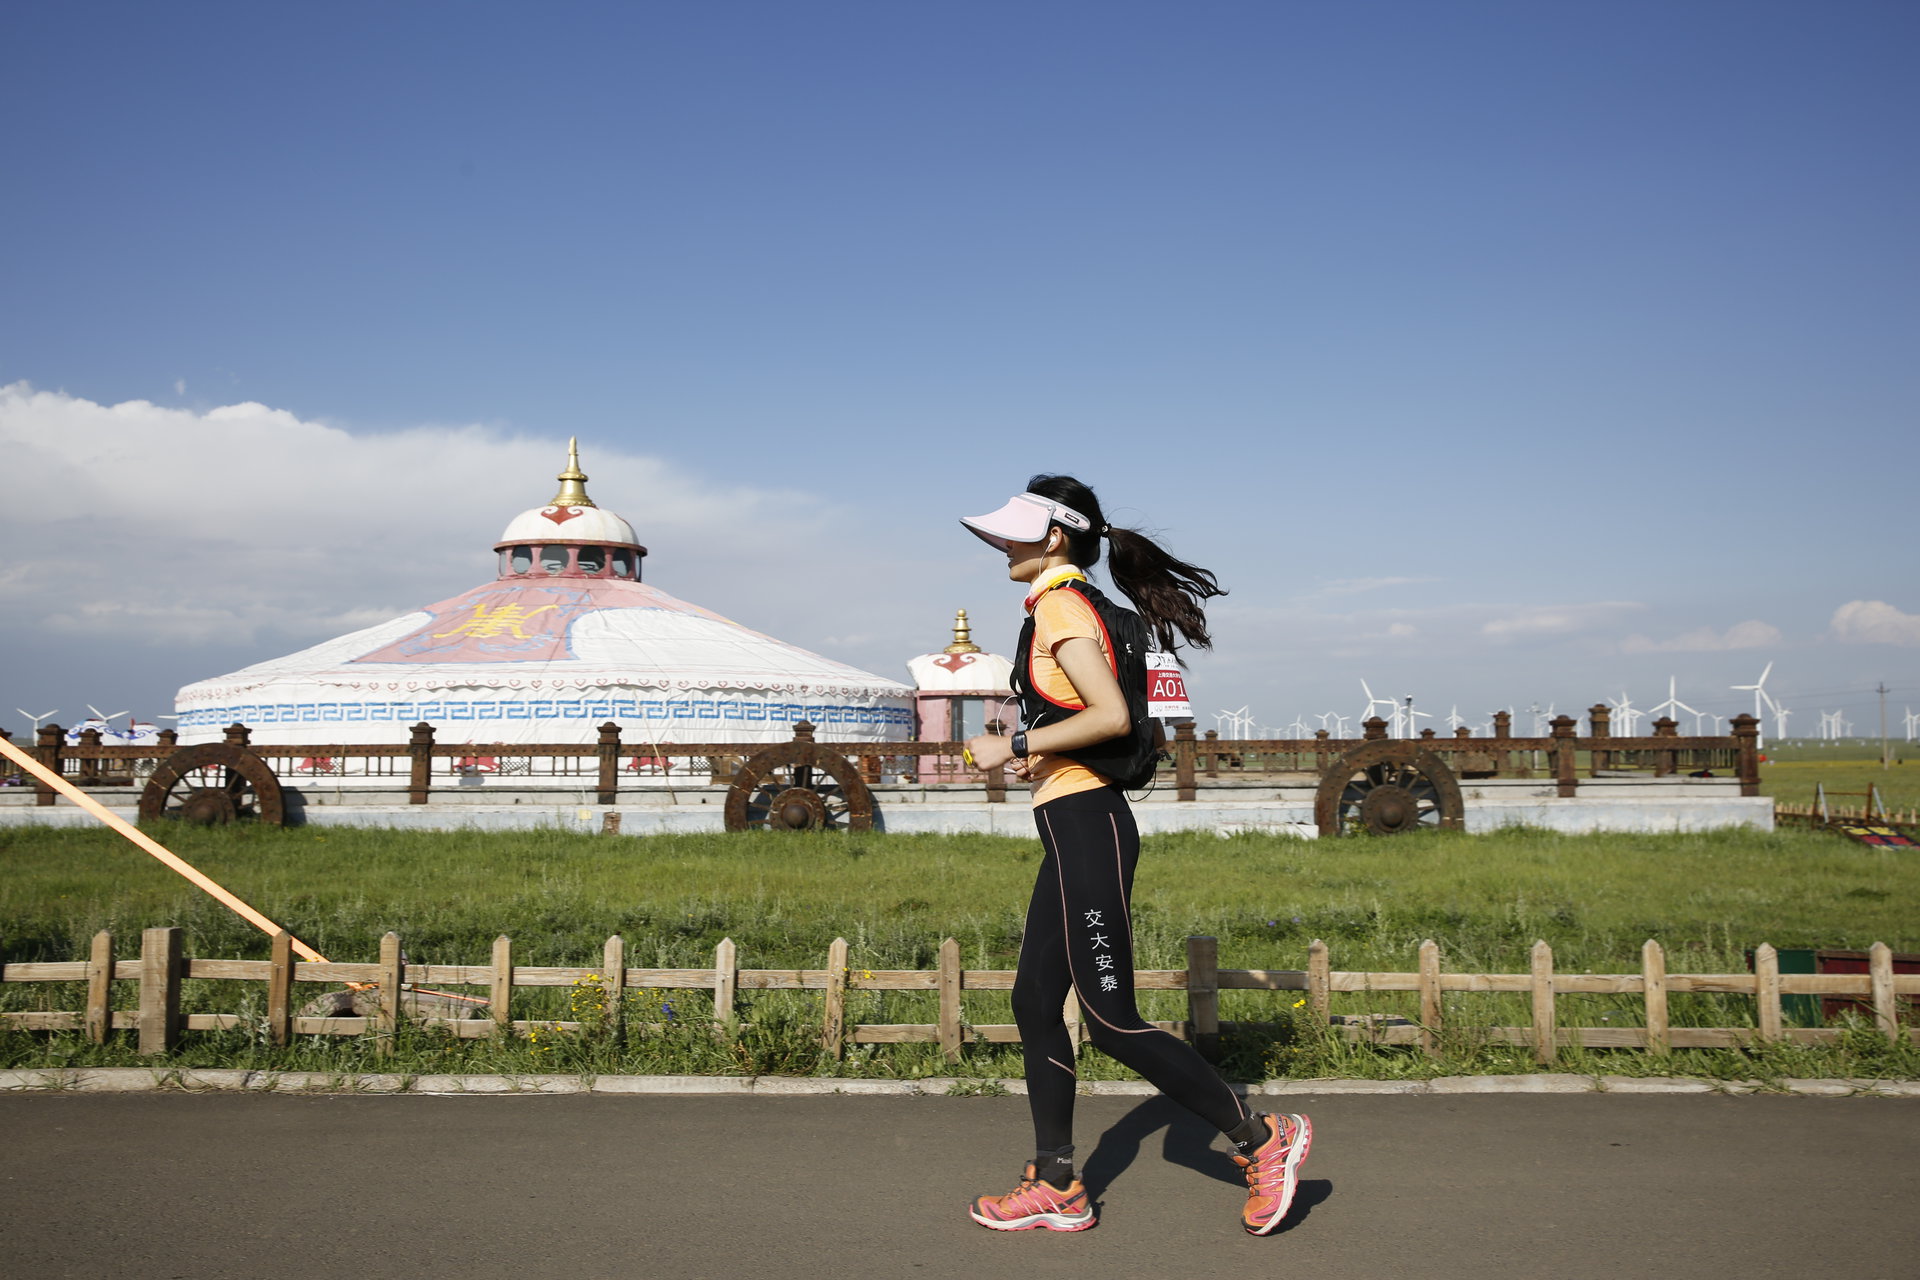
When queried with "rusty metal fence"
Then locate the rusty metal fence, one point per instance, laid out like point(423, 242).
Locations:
point(423, 764)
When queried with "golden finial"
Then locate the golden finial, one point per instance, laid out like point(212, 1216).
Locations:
point(962, 635)
point(573, 481)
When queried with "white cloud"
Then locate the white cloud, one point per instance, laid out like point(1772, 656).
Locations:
point(248, 524)
point(1751, 634)
point(1874, 622)
point(1546, 621)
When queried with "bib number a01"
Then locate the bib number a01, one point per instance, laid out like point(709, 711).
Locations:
point(1166, 689)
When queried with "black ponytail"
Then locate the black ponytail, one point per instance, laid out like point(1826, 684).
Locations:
point(1167, 593)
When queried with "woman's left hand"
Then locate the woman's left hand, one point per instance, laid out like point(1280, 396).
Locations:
point(990, 751)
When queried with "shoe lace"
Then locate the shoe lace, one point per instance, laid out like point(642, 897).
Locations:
point(1264, 1174)
point(1031, 1193)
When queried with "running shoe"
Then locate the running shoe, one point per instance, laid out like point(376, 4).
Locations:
point(1273, 1171)
point(1035, 1203)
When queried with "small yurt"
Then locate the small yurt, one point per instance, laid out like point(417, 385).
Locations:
point(566, 637)
point(961, 691)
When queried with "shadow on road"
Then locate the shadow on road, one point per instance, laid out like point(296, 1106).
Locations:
point(1189, 1142)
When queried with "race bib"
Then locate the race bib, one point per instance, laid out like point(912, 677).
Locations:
point(1166, 689)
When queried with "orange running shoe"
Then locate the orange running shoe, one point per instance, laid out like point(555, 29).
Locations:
point(1273, 1171)
point(1035, 1204)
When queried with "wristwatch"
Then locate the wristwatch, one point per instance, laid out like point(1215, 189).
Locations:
point(1020, 742)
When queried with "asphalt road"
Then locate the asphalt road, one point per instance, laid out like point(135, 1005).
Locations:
point(583, 1187)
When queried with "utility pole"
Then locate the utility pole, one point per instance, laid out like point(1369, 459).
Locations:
point(1885, 759)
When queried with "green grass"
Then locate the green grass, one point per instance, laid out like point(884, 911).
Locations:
point(1485, 899)
point(1846, 781)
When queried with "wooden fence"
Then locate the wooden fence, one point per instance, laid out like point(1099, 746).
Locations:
point(161, 968)
point(1822, 811)
point(613, 762)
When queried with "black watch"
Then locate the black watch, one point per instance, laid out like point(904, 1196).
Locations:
point(1020, 742)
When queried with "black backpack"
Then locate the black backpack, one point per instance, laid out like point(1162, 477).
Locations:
point(1128, 760)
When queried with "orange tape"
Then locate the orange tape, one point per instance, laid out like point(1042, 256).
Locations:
point(152, 846)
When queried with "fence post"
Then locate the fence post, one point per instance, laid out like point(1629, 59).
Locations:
point(1766, 990)
point(1319, 981)
point(1430, 1008)
point(392, 974)
point(280, 991)
point(1665, 763)
point(1545, 1034)
point(1653, 981)
point(500, 990)
point(950, 1000)
point(1563, 753)
point(1746, 737)
point(89, 775)
point(1885, 1014)
point(420, 748)
point(1183, 759)
point(1203, 995)
point(834, 1029)
point(100, 988)
point(1599, 725)
point(159, 990)
point(613, 981)
point(726, 985)
point(46, 749)
point(609, 762)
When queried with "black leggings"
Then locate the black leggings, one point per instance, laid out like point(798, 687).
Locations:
point(1080, 937)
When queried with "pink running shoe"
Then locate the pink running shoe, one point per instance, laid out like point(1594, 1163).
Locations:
point(1274, 1171)
point(1035, 1204)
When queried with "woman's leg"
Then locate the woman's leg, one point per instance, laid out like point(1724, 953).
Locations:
point(1093, 845)
point(1039, 993)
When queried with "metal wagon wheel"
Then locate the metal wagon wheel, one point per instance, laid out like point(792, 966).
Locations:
point(798, 786)
point(1384, 788)
point(213, 784)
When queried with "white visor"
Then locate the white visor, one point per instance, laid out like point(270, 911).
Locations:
point(1024, 518)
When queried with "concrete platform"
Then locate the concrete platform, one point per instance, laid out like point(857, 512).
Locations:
point(1223, 806)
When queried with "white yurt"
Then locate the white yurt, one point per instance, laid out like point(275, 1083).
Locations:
point(962, 689)
point(566, 638)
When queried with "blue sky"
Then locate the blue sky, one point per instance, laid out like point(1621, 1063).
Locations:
point(1490, 352)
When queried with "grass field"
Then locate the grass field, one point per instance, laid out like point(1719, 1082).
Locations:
point(1485, 899)
point(1795, 781)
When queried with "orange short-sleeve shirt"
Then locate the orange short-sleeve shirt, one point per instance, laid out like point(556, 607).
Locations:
point(1059, 616)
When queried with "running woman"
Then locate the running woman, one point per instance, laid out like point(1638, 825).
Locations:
point(1085, 738)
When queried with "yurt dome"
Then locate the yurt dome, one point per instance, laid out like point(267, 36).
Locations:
point(564, 639)
point(962, 689)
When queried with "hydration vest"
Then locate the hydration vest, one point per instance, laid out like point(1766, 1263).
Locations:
point(1129, 759)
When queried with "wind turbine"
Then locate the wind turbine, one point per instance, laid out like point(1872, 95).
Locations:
point(56, 711)
point(1298, 729)
point(1629, 718)
point(1760, 701)
point(1542, 720)
point(1780, 715)
point(1913, 725)
point(1454, 718)
point(1673, 706)
point(102, 716)
point(1393, 725)
point(1413, 730)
